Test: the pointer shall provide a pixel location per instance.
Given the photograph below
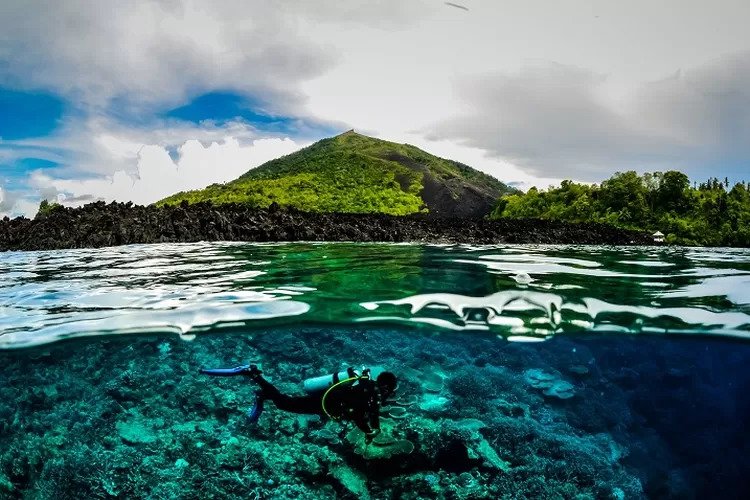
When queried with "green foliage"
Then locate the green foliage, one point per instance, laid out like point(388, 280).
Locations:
point(347, 173)
point(45, 208)
point(702, 215)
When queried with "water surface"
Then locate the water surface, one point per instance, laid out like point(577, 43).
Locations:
point(516, 292)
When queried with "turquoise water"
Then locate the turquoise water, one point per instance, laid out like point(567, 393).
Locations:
point(523, 293)
point(526, 371)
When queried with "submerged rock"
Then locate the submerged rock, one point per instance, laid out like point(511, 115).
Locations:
point(5, 484)
point(432, 403)
point(388, 444)
point(138, 430)
point(551, 385)
point(560, 389)
point(453, 456)
point(539, 379)
point(353, 481)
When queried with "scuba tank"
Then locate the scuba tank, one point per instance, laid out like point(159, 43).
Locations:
point(318, 384)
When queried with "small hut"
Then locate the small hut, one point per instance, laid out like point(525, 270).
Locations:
point(658, 237)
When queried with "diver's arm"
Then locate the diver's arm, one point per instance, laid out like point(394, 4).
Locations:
point(370, 425)
point(374, 416)
point(370, 433)
point(369, 437)
point(361, 422)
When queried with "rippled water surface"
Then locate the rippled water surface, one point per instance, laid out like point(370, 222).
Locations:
point(522, 293)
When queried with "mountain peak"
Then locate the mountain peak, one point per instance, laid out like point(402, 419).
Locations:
point(355, 173)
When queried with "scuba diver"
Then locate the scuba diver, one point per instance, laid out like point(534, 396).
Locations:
point(345, 396)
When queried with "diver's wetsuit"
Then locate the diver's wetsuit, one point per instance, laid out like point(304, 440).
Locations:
point(358, 401)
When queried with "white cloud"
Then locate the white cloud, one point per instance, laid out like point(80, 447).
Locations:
point(158, 176)
point(157, 52)
point(12, 205)
point(455, 83)
point(556, 120)
point(477, 158)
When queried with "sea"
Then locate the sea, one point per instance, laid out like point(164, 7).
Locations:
point(525, 371)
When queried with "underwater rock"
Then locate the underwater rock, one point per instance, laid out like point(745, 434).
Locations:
point(432, 403)
point(539, 379)
point(477, 445)
point(453, 456)
point(406, 400)
point(490, 457)
point(384, 446)
point(137, 429)
point(511, 409)
point(432, 382)
point(377, 451)
point(353, 481)
point(397, 412)
point(5, 485)
point(580, 370)
point(560, 389)
point(550, 385)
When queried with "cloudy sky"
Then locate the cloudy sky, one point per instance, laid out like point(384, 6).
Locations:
point(135, 100)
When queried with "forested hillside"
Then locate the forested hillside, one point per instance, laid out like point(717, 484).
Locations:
point(709, 213)
point(354, 173)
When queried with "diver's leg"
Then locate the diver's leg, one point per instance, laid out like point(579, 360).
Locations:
point(292, 404)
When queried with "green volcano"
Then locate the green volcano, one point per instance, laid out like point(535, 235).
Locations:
point(358, 174)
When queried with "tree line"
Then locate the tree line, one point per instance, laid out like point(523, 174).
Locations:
point(709, 213)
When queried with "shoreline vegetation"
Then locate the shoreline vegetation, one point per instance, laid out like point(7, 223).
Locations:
point(357, 188)
point(100, 224)
point(705, 214)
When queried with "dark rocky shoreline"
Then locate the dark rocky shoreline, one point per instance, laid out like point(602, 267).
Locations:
point(100, 224)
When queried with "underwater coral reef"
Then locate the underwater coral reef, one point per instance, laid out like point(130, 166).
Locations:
point(474, 417)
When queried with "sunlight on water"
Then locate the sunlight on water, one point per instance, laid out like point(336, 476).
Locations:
point(517, 292)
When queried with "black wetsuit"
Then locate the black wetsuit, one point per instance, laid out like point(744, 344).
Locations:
point(357, 401)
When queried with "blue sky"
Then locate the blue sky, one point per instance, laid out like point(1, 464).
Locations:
point(28, 114)
point(134, 101)
point(34, 126)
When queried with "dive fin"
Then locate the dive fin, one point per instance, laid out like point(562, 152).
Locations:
point(253, 414)
point(226, 372)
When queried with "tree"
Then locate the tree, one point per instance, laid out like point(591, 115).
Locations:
point(672, 191)
point(625, 194)
point(45, 208)
point(708, 215)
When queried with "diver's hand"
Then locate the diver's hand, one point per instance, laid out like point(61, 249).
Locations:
point(251, 371)
point(371, 435)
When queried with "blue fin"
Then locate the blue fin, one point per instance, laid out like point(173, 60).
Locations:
point(253, 414)
point(226, 372)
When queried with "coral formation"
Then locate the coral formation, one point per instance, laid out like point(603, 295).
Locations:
point(551, 385)
point(134, 419)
